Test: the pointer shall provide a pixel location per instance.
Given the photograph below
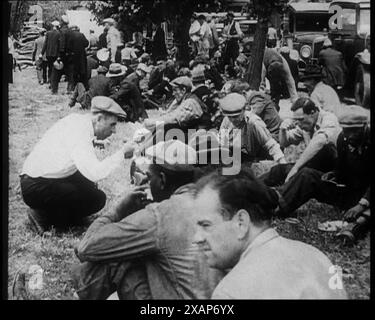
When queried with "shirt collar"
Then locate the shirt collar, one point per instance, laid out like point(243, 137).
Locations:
point(260, 240)
point(319, 120)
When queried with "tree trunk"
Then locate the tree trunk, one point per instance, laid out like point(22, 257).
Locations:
point(254, 71)
point(181, 38)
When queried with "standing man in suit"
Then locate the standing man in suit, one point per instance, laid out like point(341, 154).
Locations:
point(39, 59)
point(76, 48)
point(51, 47)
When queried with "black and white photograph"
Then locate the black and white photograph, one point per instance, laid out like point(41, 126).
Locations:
point(187, 150)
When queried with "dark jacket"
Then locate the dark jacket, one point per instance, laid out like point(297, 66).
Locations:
point(354, 167)
point(92, 64)
point(64, 34)
point(129, 97)
point(51, 44)
point(102, 41)
point(76, 44)
point(159, 49)
point(99, 85)
point(264, 107)
point(333, 67)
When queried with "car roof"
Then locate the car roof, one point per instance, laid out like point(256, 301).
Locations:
point(362, 3)
point(310, 6)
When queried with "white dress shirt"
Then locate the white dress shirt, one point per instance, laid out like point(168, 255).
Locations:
point(67, 147)
point(326, 98)
point(273, 267)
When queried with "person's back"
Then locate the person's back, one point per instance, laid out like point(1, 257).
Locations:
point(161, 239)
point(274, 267)
point(333, 67)
point(184, 270)
point(326, 98)
point(52, 43)
point(99, 85)
point(39, 45)
point(262, 105)
point(53, 160)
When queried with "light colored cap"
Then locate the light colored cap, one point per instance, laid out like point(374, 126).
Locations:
point(327, 43)
point(144, 68)
point(103, 54)
point(183, 81)
point(55, 23)
point(109, 20)
point(65, 19)
point(197, 73)
point(233, 104)
point(105, 104)
point(116, 70)
point(354, 116)
point(172, 154)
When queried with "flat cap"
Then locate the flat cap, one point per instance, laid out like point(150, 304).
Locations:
point(233, 104)
point(354, 116)
point(182, 82)
point(197, 73)
point(173, 154)
point(105, 104)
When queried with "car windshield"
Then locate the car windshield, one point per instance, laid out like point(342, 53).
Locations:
point(311, 22)
point(364, 21)
point(348, 18)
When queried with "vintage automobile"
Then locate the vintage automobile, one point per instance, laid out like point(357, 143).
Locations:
point(308, 26)
point(352, 38)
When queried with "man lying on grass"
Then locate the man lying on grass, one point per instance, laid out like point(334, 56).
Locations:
point(58, 179)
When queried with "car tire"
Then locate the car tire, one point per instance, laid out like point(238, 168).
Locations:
point(362, 87)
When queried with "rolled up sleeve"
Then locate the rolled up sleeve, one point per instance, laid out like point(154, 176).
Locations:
point(83, 155)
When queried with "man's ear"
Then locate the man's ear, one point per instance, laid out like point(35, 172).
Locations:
point(242, 221)
point(163, 181)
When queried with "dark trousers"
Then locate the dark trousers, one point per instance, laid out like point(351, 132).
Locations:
point(50, 61)
point(307, 184)
point(323, 161)
point(81, 96)
point(97, 281)
point(61, 202)
point(41, 70)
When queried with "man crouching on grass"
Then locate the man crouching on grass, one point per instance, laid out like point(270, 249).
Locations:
point(58, 179)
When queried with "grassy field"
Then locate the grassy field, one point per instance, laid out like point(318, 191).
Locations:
point(32, 110)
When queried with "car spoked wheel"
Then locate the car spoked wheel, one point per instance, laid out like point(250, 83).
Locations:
point(362, 87)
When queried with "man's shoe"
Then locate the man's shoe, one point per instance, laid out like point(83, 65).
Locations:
point(37, 222)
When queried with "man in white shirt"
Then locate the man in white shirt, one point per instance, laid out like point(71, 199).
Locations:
point(234, 214)
point(323, 95)
point(205, 34)
point(194, 33)
point(58, 179)
point(113, 37)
